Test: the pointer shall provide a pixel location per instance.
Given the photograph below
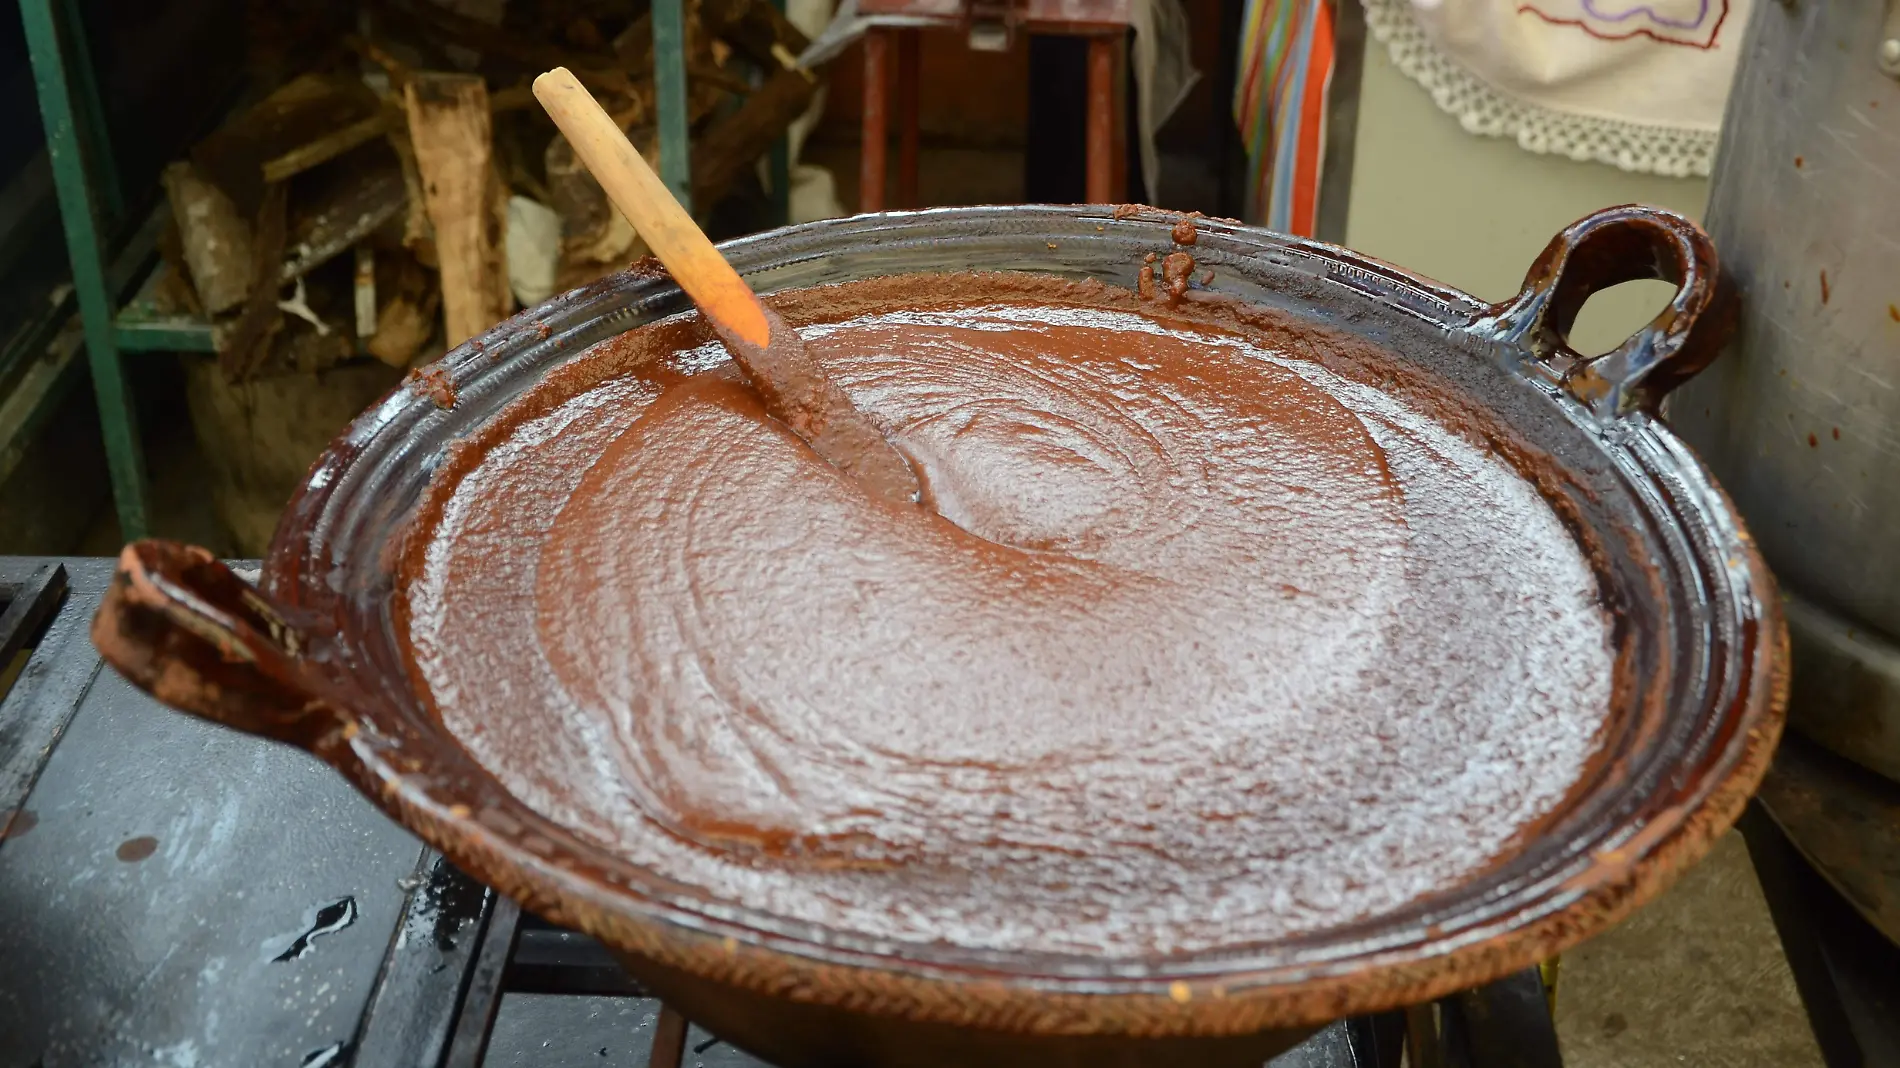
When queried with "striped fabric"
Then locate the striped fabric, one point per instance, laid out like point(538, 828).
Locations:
point(1286, 66)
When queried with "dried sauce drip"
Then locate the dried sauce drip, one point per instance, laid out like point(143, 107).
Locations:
point(1145, 283)
point(1207, 643)
point(648, 267)
point(24, 820)
point(1175, 271)
point(433, 382)
point(1184, 232)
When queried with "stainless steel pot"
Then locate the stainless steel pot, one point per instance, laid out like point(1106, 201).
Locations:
point(1801, 420)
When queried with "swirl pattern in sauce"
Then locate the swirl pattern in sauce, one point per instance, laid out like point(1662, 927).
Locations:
point(1204, 644)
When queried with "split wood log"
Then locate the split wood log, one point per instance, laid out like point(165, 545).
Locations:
point(454, 144)
point(735, 142)
point(408, 297)
point(215, 240)
point(593, 232)
point(326, 148)
point(340, 205)
point(598, 72)
point(363, 289)
point(304, 110)
point(417, 236)
point(247, 343)
point(397, 71)
point(757, 29)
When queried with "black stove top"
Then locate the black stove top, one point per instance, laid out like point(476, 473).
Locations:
point(180, 895)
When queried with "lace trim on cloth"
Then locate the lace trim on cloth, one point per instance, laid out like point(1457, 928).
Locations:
point(1481, 109)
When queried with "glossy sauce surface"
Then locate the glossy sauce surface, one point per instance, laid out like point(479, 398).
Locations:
point(1204, 643)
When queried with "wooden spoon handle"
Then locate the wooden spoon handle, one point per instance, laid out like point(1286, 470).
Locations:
point(794, 386)
point(646, 202)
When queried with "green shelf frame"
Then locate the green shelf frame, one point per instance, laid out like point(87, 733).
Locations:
point(781, 172)
point(141, 327)
point(91, 203)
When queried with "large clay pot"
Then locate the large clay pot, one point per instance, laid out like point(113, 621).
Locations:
point(311, 658)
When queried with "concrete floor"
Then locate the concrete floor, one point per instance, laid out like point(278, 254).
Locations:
point(1695, 978)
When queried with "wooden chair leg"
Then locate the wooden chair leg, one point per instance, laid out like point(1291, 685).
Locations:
point(1124, 105)
point(909, 72)
point(871, 157)
point(669, 1039)
point(1101, 120)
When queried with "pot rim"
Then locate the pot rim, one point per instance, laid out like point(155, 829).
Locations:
point(1325, 976)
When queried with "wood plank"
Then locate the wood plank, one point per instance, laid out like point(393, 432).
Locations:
point(1696, 977)
point(595, 70)
point(757, 29)
point(450, 129)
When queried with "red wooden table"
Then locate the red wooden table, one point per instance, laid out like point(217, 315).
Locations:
point(1103, 22)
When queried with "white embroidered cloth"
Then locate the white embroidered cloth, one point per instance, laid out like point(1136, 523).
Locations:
point(1638, 84)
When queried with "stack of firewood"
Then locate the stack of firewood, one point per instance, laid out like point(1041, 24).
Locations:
point(398, 191)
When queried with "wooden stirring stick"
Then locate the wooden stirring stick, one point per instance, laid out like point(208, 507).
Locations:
point(794, 386)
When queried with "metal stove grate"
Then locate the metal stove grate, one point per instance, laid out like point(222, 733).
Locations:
point(177, 894)
point(520, 969)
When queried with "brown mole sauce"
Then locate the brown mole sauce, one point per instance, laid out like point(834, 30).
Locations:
point(1204, 640)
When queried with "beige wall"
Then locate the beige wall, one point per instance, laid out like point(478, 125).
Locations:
point(1474, 211)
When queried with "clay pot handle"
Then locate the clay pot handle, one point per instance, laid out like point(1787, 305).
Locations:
point(1608, 248)
point(184, 628)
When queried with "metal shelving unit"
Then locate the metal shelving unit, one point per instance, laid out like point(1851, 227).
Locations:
point(112, 287)
point(92, 205)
